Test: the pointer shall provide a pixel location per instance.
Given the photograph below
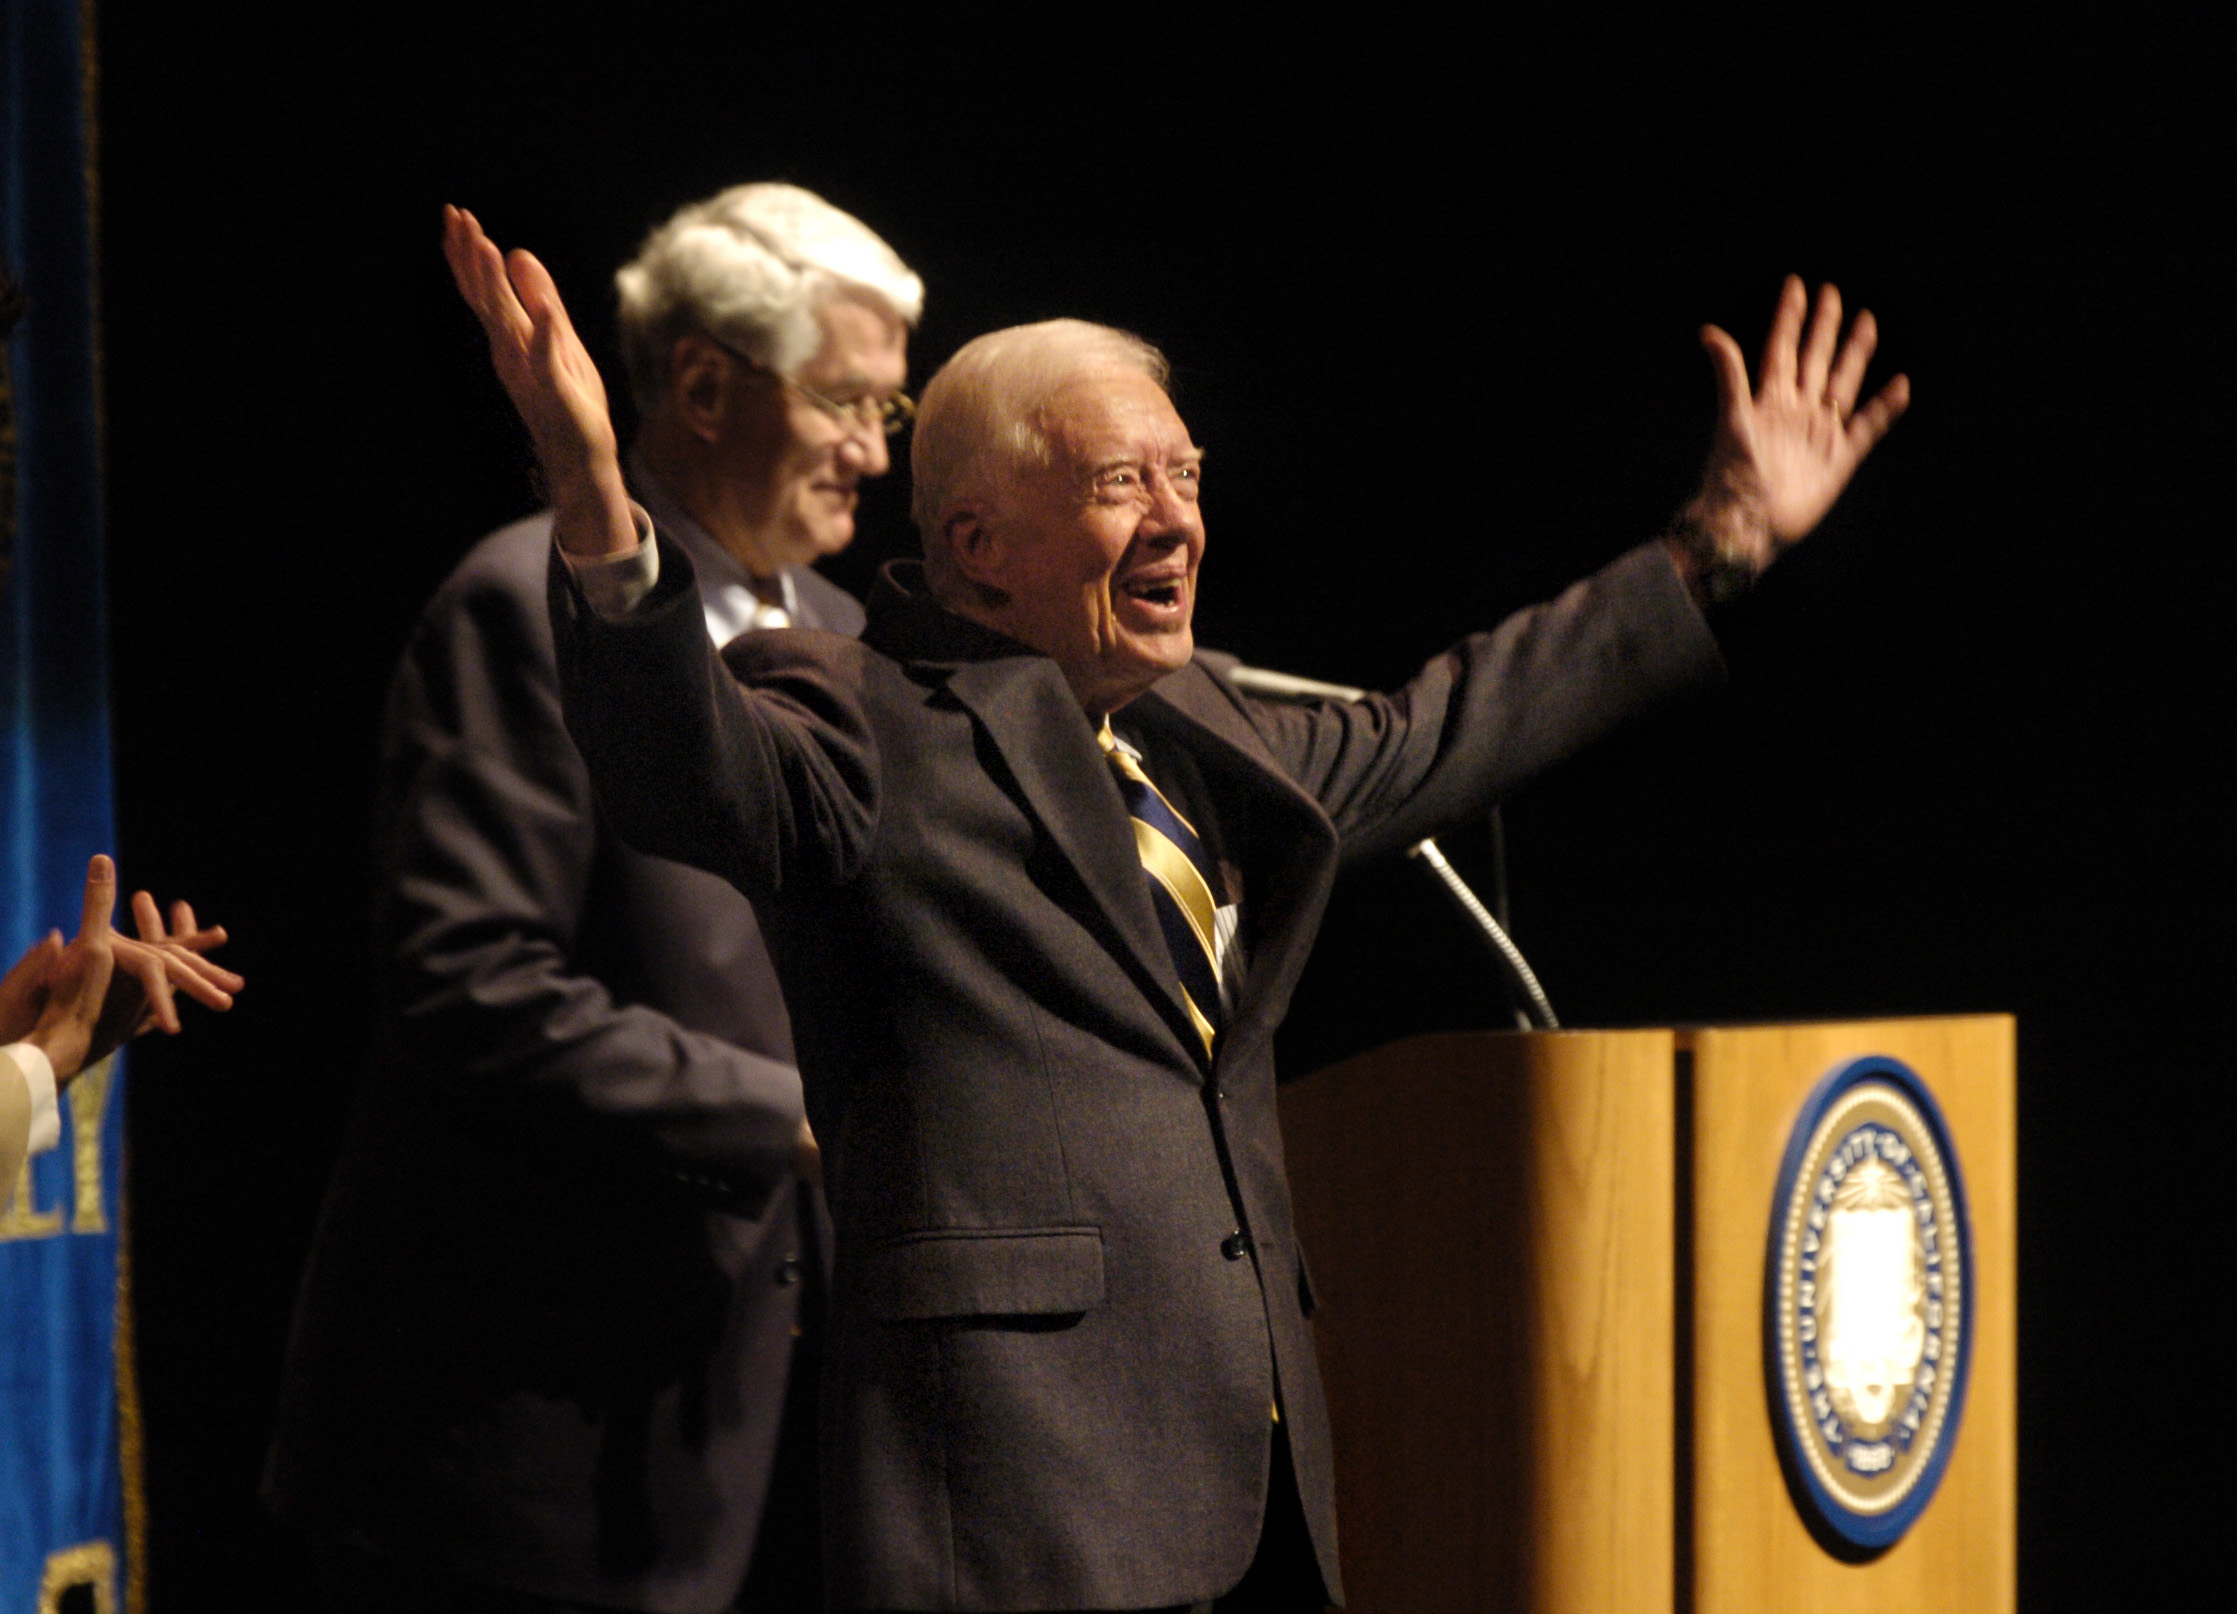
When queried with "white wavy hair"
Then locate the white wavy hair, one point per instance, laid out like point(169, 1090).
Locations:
point(749, 266)
point(978, 422)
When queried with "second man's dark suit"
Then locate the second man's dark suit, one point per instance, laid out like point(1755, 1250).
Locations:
point(1068, 1291)
point(545, 1335)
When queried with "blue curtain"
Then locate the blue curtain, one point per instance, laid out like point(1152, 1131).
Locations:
point(68, 1424)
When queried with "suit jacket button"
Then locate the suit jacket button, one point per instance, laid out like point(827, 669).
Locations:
point(1234, 1245)
point(788, 1271)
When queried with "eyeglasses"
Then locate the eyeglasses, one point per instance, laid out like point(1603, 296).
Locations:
point(885, 416)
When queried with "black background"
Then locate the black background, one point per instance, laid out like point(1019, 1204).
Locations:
point(1432, 294)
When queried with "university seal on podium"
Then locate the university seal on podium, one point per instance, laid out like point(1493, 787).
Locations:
point(1867, 1295)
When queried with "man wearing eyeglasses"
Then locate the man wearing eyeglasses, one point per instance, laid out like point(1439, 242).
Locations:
point(759, 424)
point(555, 1348)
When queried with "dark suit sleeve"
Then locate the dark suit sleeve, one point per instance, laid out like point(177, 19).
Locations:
point(772, 786)
point(1497, 708)
point(490, 835)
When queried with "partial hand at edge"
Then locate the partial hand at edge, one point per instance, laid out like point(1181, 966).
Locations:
point(149, 971)
point(23, 990)
point(104, 989)
point(553, 383)
point(78, 986)
point(1785, 451)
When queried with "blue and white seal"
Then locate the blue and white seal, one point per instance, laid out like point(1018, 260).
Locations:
point(1868, 1304)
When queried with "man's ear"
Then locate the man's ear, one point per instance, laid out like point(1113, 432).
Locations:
point(975, 544)
point(699, 375)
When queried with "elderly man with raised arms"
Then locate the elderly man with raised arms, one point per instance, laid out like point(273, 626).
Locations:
point(1039, 883)
point(547, 1355)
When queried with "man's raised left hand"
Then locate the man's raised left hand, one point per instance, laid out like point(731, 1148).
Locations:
point(1786, 449)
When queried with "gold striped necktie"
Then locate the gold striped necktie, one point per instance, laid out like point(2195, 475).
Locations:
point(1180, 885)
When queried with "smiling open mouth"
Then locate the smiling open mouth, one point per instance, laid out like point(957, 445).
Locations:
point(1165, 591)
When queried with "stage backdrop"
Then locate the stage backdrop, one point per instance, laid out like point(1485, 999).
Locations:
point(68, 1425)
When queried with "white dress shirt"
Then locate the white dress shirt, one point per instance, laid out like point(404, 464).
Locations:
point(726, 589)
point(616, 585)
point(30, 1119)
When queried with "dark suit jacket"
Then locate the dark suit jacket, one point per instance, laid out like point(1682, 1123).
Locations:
point(1051, 1359)
point(544, 1336)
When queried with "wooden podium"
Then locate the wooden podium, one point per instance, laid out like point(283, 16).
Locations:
point(1539, 1265)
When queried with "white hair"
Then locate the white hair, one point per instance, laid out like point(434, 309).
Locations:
point(748, 267)
point(979, 419)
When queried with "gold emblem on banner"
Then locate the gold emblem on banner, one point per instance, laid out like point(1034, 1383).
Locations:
point(89, 1565)
point(21, 1216)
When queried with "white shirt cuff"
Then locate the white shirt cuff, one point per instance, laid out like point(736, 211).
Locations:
point(616, 585)
point(38, 1078)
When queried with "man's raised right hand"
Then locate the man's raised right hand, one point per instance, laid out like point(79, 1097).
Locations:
point(549, 375)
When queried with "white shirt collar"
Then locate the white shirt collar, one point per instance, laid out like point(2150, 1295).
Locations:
point(726, 592)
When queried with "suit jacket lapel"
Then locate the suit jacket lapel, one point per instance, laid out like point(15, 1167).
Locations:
point(1287, 847)
point(1021, 701)
point(1033, 719)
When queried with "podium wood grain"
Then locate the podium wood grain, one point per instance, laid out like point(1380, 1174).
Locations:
point(1750, 1550)
point(1496, 1316)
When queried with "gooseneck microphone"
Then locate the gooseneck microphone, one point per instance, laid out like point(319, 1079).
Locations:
point(1532, 1010)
